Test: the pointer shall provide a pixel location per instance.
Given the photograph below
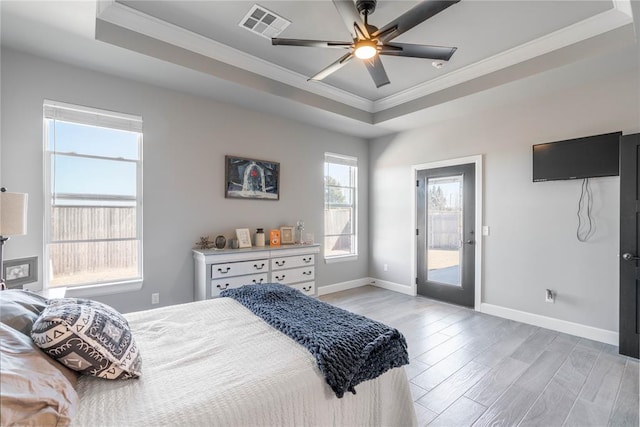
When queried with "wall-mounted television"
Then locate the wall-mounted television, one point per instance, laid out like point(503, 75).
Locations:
point(588, 157)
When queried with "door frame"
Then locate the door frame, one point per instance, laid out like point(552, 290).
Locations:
point(479, 238)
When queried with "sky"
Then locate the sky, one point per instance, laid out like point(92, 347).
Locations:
point(82, 175)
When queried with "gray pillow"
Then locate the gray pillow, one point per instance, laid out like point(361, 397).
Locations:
point(19, 309)
point(36, 390)
point(89, 337)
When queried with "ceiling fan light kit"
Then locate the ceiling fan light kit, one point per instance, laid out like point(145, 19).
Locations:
point(366, 49)
point(369, 42)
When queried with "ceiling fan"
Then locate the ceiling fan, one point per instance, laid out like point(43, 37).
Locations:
point(369, 42)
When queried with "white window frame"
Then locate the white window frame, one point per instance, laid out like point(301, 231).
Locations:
point(352, 162)
point(93, 117)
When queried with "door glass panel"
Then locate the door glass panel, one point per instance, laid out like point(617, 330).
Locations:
point(444, 229)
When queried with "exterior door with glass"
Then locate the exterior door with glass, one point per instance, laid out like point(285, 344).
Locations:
point(445, 233)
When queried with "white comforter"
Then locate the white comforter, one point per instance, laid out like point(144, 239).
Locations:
point(213, 363)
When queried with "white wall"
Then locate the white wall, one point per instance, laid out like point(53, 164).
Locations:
point(185, 141)
point(532, 245)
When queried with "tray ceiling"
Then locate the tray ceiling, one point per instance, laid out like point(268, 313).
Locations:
point(199, 46)
point(480, 29)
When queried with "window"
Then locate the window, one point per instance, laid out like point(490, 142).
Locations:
point(93, 196)
point(340, 195)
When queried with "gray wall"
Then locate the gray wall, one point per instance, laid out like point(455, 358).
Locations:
point(532, 244)
point(185, 141)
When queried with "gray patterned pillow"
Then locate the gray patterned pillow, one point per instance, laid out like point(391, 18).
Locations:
point(88, 337)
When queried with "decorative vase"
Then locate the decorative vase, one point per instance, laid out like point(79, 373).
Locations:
point(221, 242)
point(260, 237)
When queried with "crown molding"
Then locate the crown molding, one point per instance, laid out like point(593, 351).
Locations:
point(118, 14)
point(126, 17)
point(623, 6)
point(590, 27)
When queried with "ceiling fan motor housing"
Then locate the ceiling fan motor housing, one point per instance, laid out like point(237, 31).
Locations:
point(366, 7)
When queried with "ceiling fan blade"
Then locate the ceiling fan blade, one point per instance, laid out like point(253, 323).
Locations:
point(351, 17)
point(333, 67)
point(376, 70)
point(310, 43)
point(417, 51)
point(411, 18)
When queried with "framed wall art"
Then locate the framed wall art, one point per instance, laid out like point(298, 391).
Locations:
point(251, 179)
point(286, 235)
point(17, 272)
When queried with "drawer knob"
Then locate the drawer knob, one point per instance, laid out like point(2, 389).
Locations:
point(307, 289)
point(258, 267)
point(280, 278)
point(307, 260)
point(280, 263)
point(224, 272)
point(258, 282)
point(307, 273)
point(226, 285)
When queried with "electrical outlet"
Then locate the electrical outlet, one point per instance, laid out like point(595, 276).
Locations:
point(549, 296)
point(385, 267)
point(155, 298)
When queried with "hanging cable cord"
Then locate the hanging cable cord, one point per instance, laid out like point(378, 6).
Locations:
point(585, 204)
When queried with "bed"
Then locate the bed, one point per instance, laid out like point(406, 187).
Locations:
point(214, 362)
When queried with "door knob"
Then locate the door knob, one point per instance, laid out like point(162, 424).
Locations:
point(469, 242)
point(628, 257)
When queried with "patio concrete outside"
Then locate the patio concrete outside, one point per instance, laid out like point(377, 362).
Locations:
point(444, 266)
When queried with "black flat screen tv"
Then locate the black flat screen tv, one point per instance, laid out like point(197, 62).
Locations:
point(588, 157)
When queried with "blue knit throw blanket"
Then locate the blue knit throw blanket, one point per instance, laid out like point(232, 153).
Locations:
point(348, 348)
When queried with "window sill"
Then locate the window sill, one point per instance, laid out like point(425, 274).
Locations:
point(344, 258)
point(103, 289)
point(52, 293)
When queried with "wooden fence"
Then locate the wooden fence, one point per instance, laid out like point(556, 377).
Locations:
point(444, 229)
point(102, 260)
point(338, 221)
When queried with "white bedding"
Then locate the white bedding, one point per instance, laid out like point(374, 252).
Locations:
point(214, 363)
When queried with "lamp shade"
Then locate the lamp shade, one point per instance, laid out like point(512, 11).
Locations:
point(13, 214)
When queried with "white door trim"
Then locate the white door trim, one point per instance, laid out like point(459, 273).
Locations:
point(477, 160)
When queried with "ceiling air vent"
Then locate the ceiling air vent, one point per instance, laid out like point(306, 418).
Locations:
point(264, 22)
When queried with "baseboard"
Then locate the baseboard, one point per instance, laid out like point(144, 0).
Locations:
point(596, 334)
point(396, 287)
point(351, 284)
point(343, 286)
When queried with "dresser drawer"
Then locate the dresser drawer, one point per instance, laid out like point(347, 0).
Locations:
point(219, 285)
point(291, 262)
point(308, 288)
point(239, 268)
point(294, 275)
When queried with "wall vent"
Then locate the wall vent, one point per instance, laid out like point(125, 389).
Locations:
point(264, 22)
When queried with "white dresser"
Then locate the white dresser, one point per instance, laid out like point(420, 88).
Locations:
point(217, 270)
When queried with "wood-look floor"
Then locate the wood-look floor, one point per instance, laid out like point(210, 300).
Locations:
point(469, 368)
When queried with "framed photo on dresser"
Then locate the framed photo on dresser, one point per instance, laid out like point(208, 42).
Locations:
point(286, 235)
point(244, 237)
